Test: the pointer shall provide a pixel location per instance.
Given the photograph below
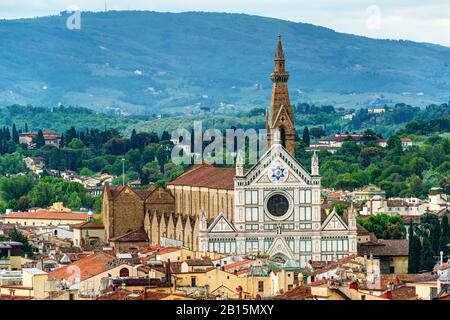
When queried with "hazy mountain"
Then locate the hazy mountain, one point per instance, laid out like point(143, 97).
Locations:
point(147, 62)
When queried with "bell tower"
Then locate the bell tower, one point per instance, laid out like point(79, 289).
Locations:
point(279, 114)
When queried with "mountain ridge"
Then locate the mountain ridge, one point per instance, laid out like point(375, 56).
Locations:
point(145, 62)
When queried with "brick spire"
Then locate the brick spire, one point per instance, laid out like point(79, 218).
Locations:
point(280, 114)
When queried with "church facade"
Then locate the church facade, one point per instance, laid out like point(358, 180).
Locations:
point(277, 203)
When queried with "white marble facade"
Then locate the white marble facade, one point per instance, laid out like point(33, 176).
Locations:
point(277, 211)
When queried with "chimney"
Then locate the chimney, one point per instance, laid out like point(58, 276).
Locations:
point(168, 273)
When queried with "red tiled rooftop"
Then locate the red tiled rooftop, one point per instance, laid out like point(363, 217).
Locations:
point(88, 266)
point(204, 175)
point(49, 215)
point(236, 264)
point(167, 250)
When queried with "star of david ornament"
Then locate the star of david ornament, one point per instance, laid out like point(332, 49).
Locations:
point(277, 172)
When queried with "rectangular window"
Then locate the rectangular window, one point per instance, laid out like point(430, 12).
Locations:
point(255, 197)
point(302, 196)
point(267, 243)
point(339, 247)
point(345, 245)
point(308, 213)
point(308, 196)
point(260, 286)
point(290, 242)
point(302, 213)
point(251, 214)
point(304, 260)
point(324, 245)
point(251, 197)
point(270, 226)
point(305, 245)
point(252, 245)
point(248, 197)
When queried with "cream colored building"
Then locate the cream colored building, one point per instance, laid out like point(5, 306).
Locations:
point(45, 218)
point(89, 275)
point(89, 234)
point(223, 284)
point(368, 193)
point(33, 285)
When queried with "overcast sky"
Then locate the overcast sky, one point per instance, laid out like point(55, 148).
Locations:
point(418, 20)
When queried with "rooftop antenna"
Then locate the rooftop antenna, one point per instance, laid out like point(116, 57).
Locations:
point(106, 6)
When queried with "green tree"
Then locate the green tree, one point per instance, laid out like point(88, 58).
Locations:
point(40, 140)
point(17, 236)
point(414, 258)
point(340, 208)
point(426, 257)
point(74, 201)
point(445, 236)
point(384, 226)
point(15, 134)
point(306, 138)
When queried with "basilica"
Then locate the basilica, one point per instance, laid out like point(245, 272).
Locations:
point(272, 209)
point(277, 203)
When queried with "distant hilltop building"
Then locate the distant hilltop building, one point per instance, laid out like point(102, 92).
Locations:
point(376, 110)
point(332, 144)
point(51, 138)
point(273, 209)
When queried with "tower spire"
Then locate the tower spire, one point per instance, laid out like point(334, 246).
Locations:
point(280, 115)
point(279, 55)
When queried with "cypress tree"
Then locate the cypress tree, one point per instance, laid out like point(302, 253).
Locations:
point(7, 134)
point(15, 134)
point(134, 142)
point(26, 127)
point(445, 237)
point(61, 142)
point(426, 257)
point(40, 140)
point(306, 138)
point(414, 251)
point(435, 237)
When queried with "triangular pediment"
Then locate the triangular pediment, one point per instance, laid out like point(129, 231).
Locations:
point(221, 224)
point(280, 247)
point(334, 223)
point(278, 166)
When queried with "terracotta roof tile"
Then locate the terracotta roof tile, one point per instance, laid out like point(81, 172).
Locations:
point(88, 266)
point(384, 248)
point(48, 215)
point(298, 293)
point(89, 225)
point(204, 175)
point(200, 262)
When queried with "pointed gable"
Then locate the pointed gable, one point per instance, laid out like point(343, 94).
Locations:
point(295, 172)
point(334, 222)
point(280, 247)
point(221, 224)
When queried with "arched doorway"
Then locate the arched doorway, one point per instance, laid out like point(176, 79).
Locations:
point(280, 258)
point(124, 273)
